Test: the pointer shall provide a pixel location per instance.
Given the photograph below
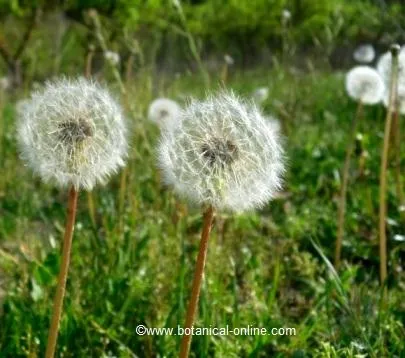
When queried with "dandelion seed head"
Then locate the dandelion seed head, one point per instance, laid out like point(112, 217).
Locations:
point(260, 94)
point(229, 60)
point(400, 99)
point(72, 132)
point(112, 57)
point(165, 113)
point(384, 67)
point(5, 83)
point(223, 153)
point(285, 15)
point(364, 53)
point(364, 84)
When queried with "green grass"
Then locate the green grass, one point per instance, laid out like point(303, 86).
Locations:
point(269, 268)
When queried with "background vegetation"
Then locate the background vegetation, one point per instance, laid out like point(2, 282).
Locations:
point(133, 264)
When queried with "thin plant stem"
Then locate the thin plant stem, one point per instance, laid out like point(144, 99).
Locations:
point(345, 180)
point(122, 195)
point(87, 74)
point(397, 161)
point(192, 43)
point(89, 62)
point(198, 277)
point(60, 290)
point(92, 208)
point(383, 169)
point(103, 44)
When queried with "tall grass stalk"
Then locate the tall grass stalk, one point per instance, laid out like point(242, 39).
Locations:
point(60, 290)
point(345, 180)
point(197, 281)
point(383, 169)
point(192, 43)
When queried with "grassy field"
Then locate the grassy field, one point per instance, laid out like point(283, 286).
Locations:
point(133, 262)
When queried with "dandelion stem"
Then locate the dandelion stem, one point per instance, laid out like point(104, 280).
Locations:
point(92, 208)
point(397, 166)
point(383, 169)
point(345, 180)
point(122, 192)
point(60, 290)
point(198, 276)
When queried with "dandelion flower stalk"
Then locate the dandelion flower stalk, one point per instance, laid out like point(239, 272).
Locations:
point(345, 180)
point(90, 197)
point(223, 155)
point(397, 158)
point(63, 273)
point(197, 281)
point(364, 85)
point(383, 170)
point(71, 133)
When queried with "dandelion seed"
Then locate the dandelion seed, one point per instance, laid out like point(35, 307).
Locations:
point(73, 133)
point(112, 57)
point(261, 94)
point(164, 112)
point(364, 53)
point(364, 84)
point(224, 153)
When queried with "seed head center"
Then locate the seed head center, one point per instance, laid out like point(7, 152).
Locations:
point(75, 131)
point(220, 152)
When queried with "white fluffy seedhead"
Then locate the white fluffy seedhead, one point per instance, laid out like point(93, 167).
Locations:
point(274, 123)
point(72, 133)
point(5, 83)
point(364, 53)
point(165, 113)
point(229, 60)
point(364, 84)
point(112, 57)
point(400, 99)
point(260, 94)
point(384, 68)
point(224, 153)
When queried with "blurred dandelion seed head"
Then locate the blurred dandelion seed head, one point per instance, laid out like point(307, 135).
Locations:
point(400, 100)
point(72, 133)
point(364, 84)
point(112, 57)
point(384, 67)
point(285, 16)
point(260, 94)
point(223, 153)
point(5, 83)
point(164, 112)
point(229, 60)
point(364, 53)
